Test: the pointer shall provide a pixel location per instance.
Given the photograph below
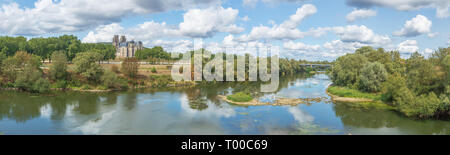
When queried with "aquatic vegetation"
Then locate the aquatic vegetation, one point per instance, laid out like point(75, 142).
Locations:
point(240, 97)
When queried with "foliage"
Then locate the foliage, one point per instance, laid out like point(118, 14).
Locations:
point(154, 70)
point(58, 70)
point(112, 81)
point(240, 97)
point(85, 65)
point(155, 52)
point(130, 67)
point(347, 92)
point(417, 87)
point(44, 47)
point(372, 76)
point(347, 69)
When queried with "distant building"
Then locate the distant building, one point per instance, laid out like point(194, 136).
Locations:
point(124, 48)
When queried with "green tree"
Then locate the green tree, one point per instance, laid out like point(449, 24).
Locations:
point(58, 70)
point(347, 68)
point(372, 77)
point(86, 66)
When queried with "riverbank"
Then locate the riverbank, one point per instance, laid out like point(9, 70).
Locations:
point(355, 98)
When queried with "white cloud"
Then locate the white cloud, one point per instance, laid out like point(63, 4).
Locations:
point(417, 26)
point(338, 48)
point(360, 14)
point(245, 19)
point(103, 33)
point(362, 34)
point(197, 23)
point(441, 6)
point(62, 16)
point(206, 22)
point(427, 51)
point(408, 46)
point(300, 46)
point(286, 30)
point(432, 34)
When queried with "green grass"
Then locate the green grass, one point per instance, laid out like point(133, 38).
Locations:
point(379, 105)
point(347, 92)
point(240, 97)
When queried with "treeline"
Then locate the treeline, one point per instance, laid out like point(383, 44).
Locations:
point(24, 71)
point(44, 47)
point(417, 87)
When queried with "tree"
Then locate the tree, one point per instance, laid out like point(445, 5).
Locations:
point(372, 77)
point(86, 66)
point(130, 67)
point(347, 68)
point(14, 66)
point(58, 70)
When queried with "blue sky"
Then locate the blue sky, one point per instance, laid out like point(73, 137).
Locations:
point(303, 29)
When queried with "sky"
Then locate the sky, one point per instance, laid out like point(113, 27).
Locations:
point(301, 29)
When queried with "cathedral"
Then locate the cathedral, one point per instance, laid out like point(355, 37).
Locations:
point(124, 48)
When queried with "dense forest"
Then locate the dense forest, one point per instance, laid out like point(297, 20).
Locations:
point(417, 87)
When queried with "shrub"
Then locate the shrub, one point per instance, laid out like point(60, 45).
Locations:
point(112, 81)
point(130, 67)
point(60, 84)
point(41, 86)
point(86, 87)
point(115, 69)
point(154, 70)
point(240, 97)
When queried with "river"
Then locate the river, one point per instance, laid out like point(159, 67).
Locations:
point(187, 111)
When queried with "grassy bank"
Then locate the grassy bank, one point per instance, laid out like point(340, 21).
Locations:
point(357, 99)
point(352, 93)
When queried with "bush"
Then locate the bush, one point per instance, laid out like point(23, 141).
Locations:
point(115, 69)
point(86, 87)
point(240, 97)
point(62, 84)
point(130, 67)
point(41, 86)
point(112, 81)
point(372, 77)
point(154, 70)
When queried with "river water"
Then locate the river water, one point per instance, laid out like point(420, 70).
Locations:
point(198, 110)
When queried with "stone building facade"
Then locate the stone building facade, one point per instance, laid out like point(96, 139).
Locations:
point(124, 48)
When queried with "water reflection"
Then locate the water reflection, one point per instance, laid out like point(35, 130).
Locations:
point(199, 111)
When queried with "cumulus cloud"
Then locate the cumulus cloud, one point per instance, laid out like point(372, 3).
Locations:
point(441, 6)
point(51, 16)
point(408, 46)
point(417, 26)
point(103, 33)
point(300, 46)
point(360, 14)
point(197, 23)
point(286, 30)
point(205, 22)
point(362, 34)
